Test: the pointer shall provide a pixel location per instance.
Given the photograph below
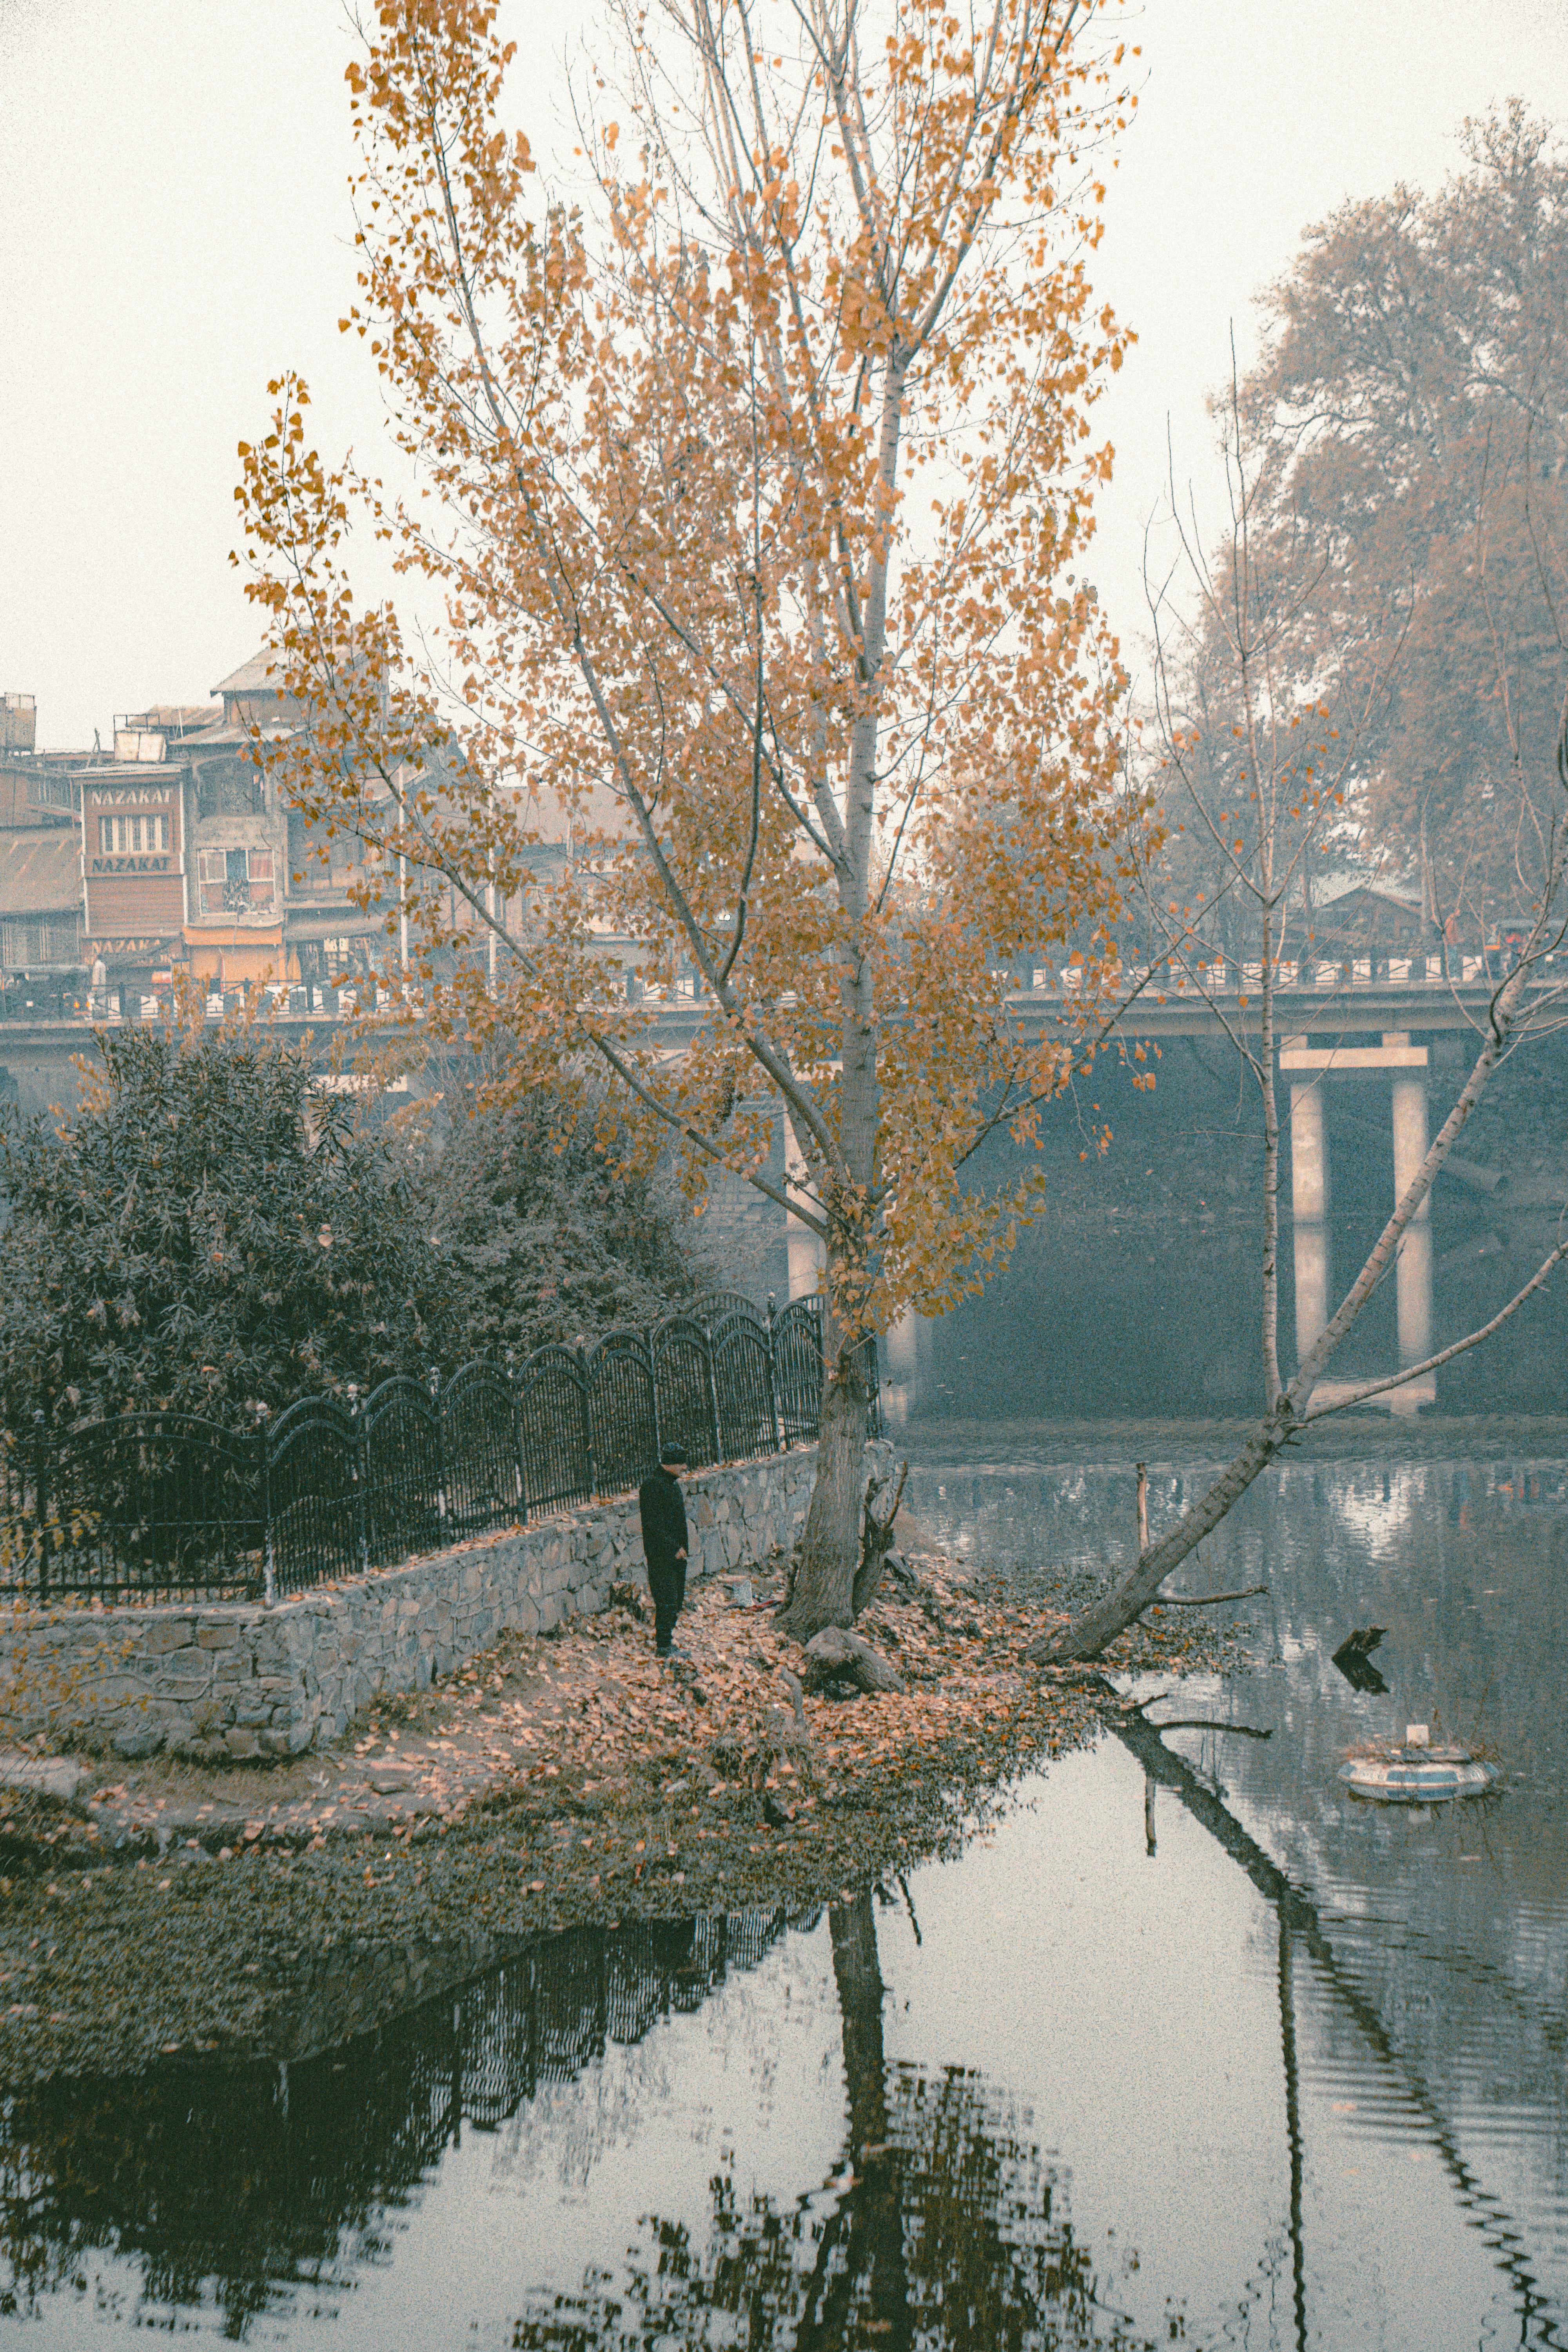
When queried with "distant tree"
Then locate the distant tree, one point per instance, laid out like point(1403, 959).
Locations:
point(207, 1231)
point(1411, 410)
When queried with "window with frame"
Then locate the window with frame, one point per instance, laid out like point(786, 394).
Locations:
point(234, 881)
point(229, 788)
point(145, 833)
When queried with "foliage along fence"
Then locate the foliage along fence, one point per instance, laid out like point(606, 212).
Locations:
point(163, 1505)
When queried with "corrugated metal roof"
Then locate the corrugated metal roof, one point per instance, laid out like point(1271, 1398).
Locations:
point(40, 871)
point(1332, 887)
point(259, 675)
point(223, 738)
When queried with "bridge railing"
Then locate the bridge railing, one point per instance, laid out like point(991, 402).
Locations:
point(1230, 976)
point(39, 1000)
point(167, 1506)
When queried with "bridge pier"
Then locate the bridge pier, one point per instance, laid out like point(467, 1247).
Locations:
point(1308, 1210)
point(1307, 1068)
point(1412, 1274)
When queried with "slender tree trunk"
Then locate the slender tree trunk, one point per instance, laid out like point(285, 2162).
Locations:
point(1301, 1920)
point(1087, 1636)
point(1428, 882)
point(1272, 1381)
point(824, 1589)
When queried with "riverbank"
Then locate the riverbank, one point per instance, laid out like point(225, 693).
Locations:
point(558, 1779)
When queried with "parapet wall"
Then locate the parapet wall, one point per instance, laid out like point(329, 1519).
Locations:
point(244, 1680)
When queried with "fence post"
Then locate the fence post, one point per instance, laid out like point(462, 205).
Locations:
point(517, 1447)
point(653, 1392)
point(361, 1460)
point(582, 1355)
point(781, 1439)
point(713, 1395)
point(440, 1452)
point(41, 1497)
point(269, 1564)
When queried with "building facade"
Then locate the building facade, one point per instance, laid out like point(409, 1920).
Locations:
point(170, 855)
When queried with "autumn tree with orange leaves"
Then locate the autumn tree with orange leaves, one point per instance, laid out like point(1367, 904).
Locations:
point(754, 495)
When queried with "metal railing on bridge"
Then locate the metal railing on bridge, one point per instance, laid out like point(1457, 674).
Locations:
point(39, 1000)
point(43, 1000)
point(157, 1506)
point(1227, 976)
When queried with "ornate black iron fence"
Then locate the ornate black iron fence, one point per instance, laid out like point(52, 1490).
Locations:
point(161, 1506)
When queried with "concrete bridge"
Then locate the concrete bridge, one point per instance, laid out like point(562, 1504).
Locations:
point(1347, 1001)
point(1361, 1029)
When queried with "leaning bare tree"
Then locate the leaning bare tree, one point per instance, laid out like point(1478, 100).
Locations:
point(1288, 717)
point(754, 498)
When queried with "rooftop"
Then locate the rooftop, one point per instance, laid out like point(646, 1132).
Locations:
point(260, 675)
point(1328, 889)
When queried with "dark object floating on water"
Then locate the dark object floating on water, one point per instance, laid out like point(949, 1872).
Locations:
point(1353, 1658)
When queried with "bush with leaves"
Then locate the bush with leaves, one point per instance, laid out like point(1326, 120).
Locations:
point(207, 1231)
point(543, 1231)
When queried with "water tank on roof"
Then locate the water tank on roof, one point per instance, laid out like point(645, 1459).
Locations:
point(139, 743)
point(18, 722)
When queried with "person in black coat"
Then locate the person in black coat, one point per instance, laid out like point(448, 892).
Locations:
point(664, 1543)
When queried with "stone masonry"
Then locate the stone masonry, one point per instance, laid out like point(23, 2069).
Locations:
point(244, 1680)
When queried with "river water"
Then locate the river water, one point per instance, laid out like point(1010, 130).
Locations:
point(1207, 2054)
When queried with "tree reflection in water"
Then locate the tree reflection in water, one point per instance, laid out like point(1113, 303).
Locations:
point(229, 2189)
point(945, 2228)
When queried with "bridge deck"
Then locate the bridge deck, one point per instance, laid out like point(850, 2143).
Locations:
point(1360, 1007)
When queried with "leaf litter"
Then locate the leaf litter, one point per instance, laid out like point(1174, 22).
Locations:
point(557, 1780)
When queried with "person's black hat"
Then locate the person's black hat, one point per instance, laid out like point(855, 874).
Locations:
point(672, 1452)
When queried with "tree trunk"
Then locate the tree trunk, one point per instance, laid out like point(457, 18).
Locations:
point(1087, 1636)
point(1299, 1918)
point(823, 1592)
point(866, 2272)
point(838, 1655)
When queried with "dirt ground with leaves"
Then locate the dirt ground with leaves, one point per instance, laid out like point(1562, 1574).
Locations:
point(556, 1780)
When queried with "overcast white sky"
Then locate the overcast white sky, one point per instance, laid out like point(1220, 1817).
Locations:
point(173, 229)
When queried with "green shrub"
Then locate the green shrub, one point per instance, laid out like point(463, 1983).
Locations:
point(205, 1232)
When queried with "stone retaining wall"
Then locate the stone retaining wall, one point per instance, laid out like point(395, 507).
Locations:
point(241, 1680)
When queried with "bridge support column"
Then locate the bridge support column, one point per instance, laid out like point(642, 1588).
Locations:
point(1412, 1274)
point(1308, 1211)
point(902, 1356)
point(1405, 1064)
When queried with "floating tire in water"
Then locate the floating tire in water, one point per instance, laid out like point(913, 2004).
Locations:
point(1418, 1776)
